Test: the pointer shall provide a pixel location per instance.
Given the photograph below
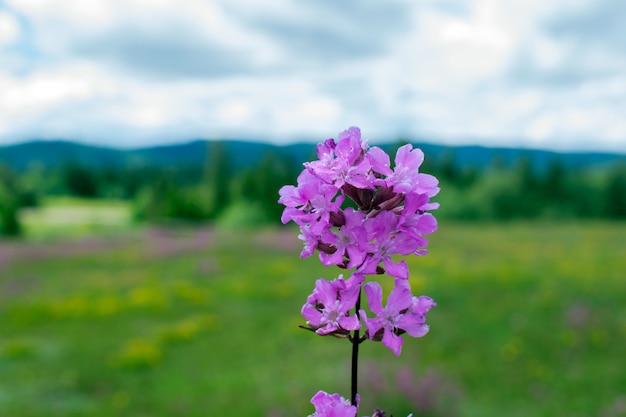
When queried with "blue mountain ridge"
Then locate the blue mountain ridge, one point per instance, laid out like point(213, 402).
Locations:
point(247, 154)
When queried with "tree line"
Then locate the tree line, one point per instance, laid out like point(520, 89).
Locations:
point(215, 191)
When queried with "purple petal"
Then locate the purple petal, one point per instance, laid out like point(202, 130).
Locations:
point(414, 202)
point(427, 184)
point(413, 324)
point(406, 156)
point(349, 145)
point(426, 223)
point(325, 150)
point(369, 266)
point(335, 258)
point(392, 341)
point(430, 206)
point(320, 399)
point(406, 244)
point(399, 299)
point(398, 270)
point(332, 405)
point(327, 329)
point(349, 298)
point(289, 196)
point(311, 314)
point(299, 217)
point(379, 160)
point(349, 322)
point(357, 256)
point(355, 280)
point(374, 297)
point(417, 330)
point(339, 284)
point(422, 304)
point(373, 325)
point(326, 293)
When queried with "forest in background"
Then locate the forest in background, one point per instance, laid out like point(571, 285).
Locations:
point(239, 185)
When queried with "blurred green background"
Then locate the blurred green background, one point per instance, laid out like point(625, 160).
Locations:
point(158, 290)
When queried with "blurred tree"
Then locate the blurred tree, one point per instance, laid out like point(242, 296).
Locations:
point(500, 193)
point(615, 192)
point(261, 183)
point(447, 169)
point(9, 221)
point(529, 201)
point(152, 203)
point(9, 204)
point(35, 181)
point(554, 184)
point(218, 174)
point(470, 176)
point(79, 180)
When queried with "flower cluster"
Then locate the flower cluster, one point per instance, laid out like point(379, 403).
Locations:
point(358, 212)
point(391, 215)
point(327, 311)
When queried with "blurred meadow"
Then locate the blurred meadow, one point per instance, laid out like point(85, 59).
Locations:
point(202, 319)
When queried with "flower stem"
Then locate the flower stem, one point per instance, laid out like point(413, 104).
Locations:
point(355, 356)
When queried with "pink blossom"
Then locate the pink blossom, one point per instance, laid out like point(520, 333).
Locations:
point(310, 240)
point(388, 240)
point(343, 162)
point(350, 240)
point(414, 220)
point(391, 217)
point(311, 202)
point(406, 177)
point(397, 317)
point(332, 405)
point(327, 308)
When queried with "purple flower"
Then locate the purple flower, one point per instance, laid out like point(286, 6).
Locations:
point(327, 308)
point(309, 239)
point(406, 177)
point(397, 317)
point(383, 229)
point(311, 202)
point(299, 197)
point(332, 405)
point(414, 221)
point(343, 162)
point(390, 217)
point(351, 241)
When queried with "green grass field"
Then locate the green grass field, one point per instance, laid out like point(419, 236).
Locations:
point(63, 217)
point(531, 321)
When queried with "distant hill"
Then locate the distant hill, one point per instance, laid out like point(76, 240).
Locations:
point(53, 153)
point(481, 157)
point(244, 154)
point(56, 153)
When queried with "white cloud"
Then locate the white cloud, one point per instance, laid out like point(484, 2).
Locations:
point(9, 28)
point(134, 72)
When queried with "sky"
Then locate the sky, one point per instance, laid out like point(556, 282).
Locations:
point(131, 73)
